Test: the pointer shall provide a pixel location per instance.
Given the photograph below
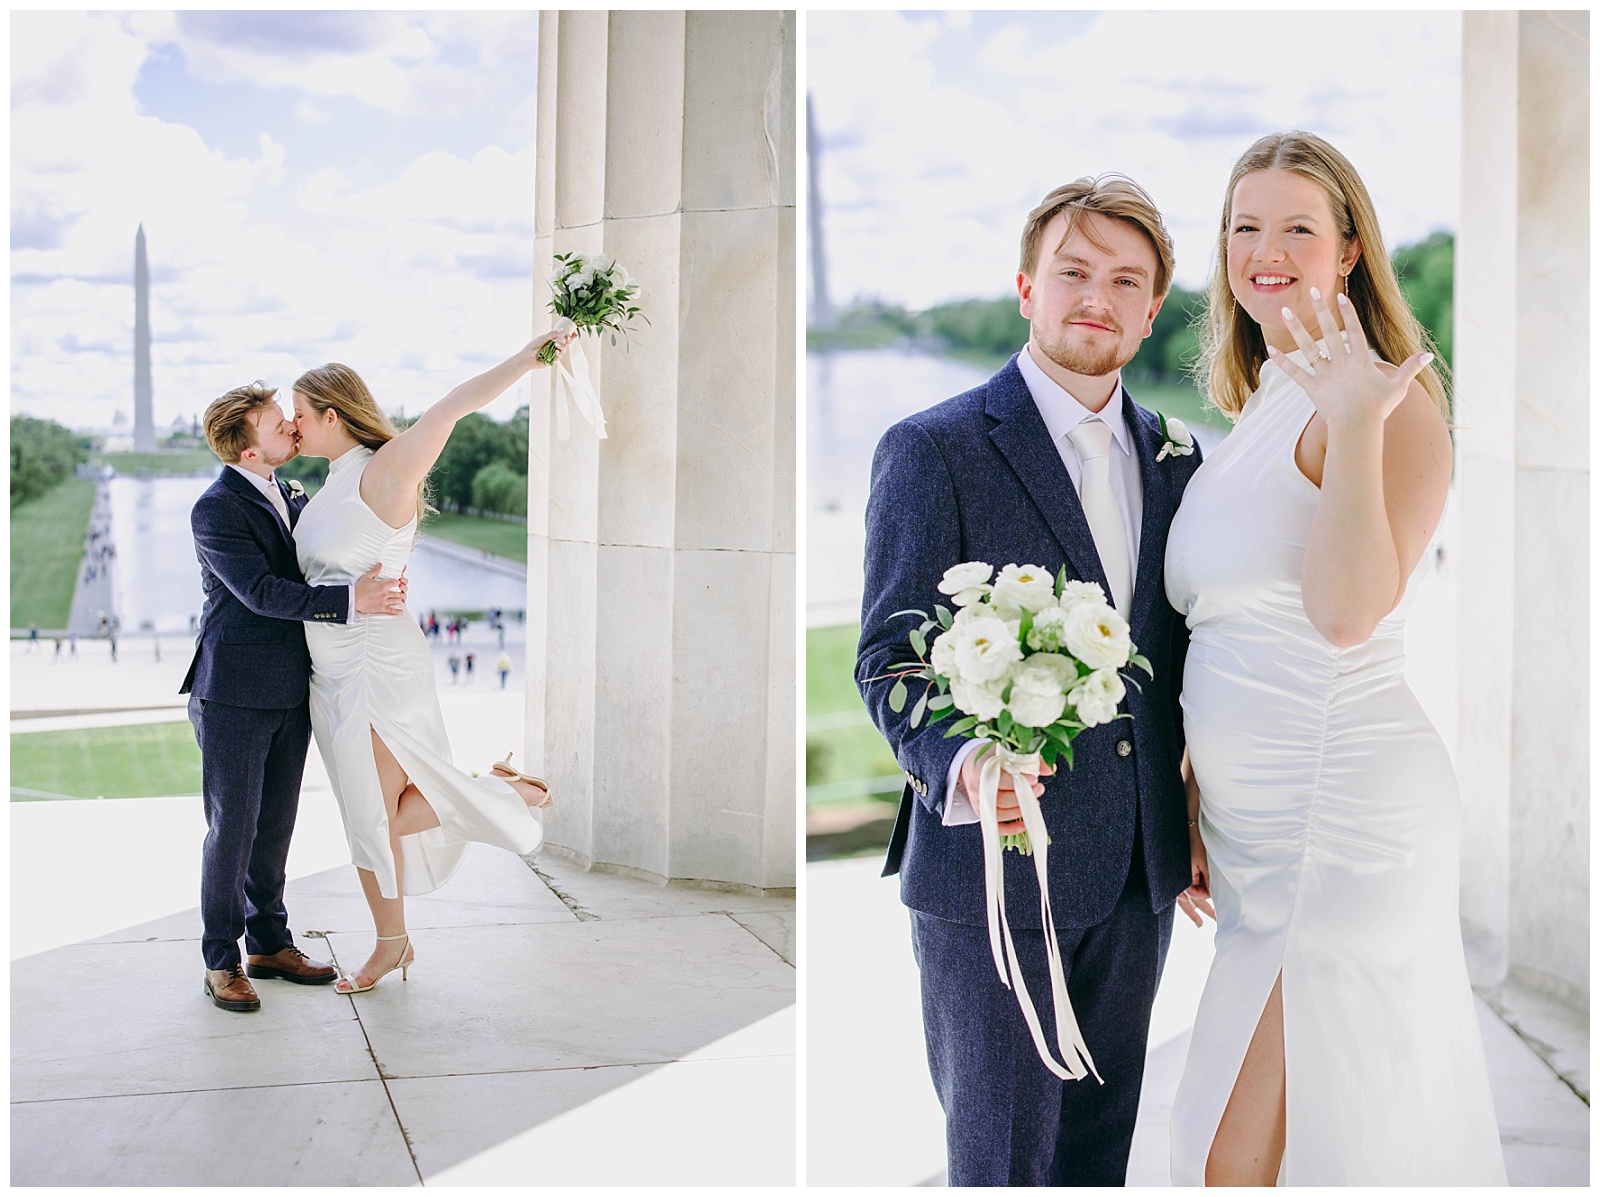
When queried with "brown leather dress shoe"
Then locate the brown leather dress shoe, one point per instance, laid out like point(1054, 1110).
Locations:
point(228, 988)
point(291, 964)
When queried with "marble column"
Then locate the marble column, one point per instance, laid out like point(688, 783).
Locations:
point(1522, 415)
point(661, 637)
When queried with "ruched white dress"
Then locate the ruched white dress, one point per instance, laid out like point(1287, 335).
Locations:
point(1329, 812)
point(376, 672)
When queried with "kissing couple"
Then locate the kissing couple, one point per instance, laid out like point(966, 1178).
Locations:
point(1276, 765)
point(304, 631)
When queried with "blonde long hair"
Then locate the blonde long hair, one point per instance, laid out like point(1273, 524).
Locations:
point(336, 387)
point(1232, 349)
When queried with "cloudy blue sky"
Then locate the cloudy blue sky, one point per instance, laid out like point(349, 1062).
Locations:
point(314, 186)
point(941, 130)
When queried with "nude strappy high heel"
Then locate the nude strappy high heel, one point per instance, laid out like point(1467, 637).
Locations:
point(406, 958)
point(504, 769)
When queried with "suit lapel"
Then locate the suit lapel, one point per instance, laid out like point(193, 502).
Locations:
point(1155, 510)
point(243, 487)
point(1024, 441)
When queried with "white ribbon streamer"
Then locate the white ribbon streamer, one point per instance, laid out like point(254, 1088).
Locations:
point(1077, 1062)
point(573, 386)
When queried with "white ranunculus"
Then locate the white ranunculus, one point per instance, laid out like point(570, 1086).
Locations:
point(1049, 629)
point(942, 655)
point(982, 699)
point(1179, 442)
point(1098, 636)
point(985, 648)
point(966, 583)
point(1037, 697)
point(1075, 592)
point(1095, 698)
point(1024, 588)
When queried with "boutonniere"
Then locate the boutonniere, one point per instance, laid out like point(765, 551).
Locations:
point(1177, 440)
point(296, 491)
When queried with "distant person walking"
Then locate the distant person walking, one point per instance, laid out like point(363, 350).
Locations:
point(504, 666)
point(72, 646)
point(455, 667)
point(33, 636)
point(469, 668)
point(58, 649)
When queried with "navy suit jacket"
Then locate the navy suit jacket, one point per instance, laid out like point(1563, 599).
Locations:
point(251, 650)
point(976, 478)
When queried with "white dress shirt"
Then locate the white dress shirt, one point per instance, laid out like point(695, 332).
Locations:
point(1062, 413)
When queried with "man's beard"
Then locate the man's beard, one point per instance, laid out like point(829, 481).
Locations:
point(1089, 362)
point(275, 462)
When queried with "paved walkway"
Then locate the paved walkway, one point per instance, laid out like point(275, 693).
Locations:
point(873, 1119)
point(550, 1013)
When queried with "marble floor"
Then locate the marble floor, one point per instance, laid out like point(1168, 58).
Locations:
point(551, 1013)
point(873, 1119)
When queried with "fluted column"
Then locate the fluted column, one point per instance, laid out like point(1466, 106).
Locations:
point(665, 607)
point(1523, 398)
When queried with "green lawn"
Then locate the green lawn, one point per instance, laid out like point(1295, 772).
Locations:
point(145, 760)
point(182, 461)
point(842, 745)
point(46, 549)
point(500, 537)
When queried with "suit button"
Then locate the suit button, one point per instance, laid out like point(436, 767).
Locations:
point(1124, 747)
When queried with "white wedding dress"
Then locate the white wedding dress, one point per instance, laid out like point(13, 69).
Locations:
point(1328, 808)
point(376, 672)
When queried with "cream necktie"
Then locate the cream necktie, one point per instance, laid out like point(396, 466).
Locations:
point(1093, 441)
point(275, 497)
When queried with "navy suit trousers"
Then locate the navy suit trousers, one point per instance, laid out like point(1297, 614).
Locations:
point(252, 761)
point(1008, 1120)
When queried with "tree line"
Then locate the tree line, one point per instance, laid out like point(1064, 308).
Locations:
point(992, 329)
point(43, 454)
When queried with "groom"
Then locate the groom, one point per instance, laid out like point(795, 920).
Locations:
point(1049, 463)
point(248, 686)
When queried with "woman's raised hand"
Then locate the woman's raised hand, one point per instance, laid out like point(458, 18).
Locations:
point(562, 335)
point(1344, 382)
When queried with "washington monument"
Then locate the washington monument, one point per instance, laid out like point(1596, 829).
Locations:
point(144, 427)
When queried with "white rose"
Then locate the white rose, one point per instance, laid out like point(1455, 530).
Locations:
point(985, 648)
point(942, 655)
point(1098, 636)
point(1024, 588)
point(1075, 592)
point(966, 583)
point(1037, 698)
point(1095, 698)
point(982, 699)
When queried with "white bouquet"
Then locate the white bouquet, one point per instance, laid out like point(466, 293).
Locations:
point(591, 291)
point(1028, 662)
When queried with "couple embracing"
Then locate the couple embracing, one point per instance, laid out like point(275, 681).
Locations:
point(1276, 765)
point(304, 631)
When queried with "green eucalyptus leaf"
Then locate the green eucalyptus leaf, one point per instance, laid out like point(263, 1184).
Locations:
point(897, 697)
point(918, 710)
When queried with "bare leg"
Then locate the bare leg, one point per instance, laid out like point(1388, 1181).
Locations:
point(409, 812)
point(1248, 1148)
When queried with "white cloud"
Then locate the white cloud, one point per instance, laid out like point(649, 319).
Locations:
point(928, 172)
point(417, 273)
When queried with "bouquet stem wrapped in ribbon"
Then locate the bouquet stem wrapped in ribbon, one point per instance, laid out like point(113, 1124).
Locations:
point(589, 292)
point(1029, 662)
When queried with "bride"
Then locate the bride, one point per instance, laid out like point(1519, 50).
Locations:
point(408, 812)
point(1337, 1040)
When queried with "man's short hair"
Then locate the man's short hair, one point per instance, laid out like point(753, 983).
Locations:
point(1108, 195)
point(229, 431)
